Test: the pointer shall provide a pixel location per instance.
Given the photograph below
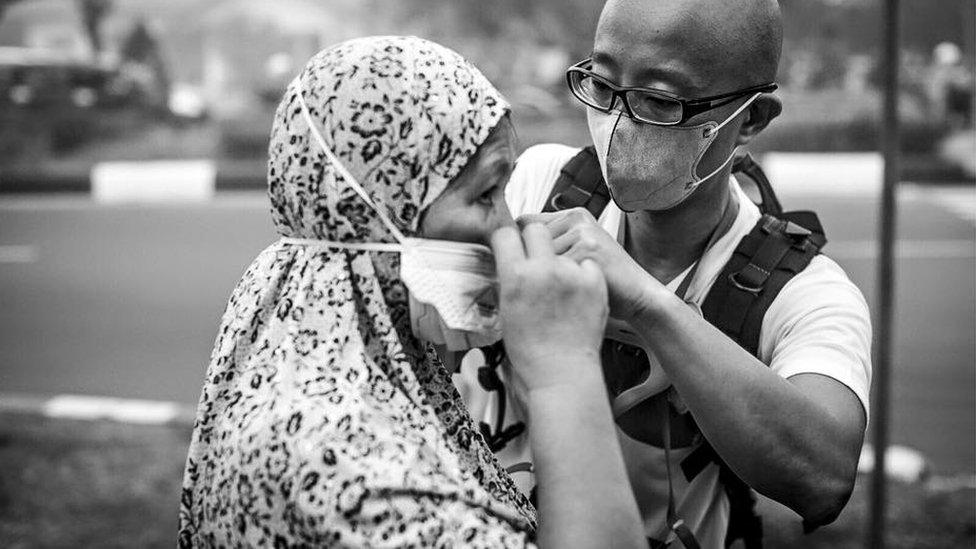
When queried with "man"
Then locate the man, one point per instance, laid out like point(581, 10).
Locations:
point(789, 420)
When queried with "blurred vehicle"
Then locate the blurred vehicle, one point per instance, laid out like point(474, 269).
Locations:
point(36, 78)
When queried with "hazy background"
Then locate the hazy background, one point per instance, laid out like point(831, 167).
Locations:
point(133, 146)
point(103, 79)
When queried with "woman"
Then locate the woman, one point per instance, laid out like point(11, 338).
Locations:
point(323, 419)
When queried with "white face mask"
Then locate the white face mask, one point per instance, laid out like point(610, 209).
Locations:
point(452, 285)
point(651, 167)
point(453, 293)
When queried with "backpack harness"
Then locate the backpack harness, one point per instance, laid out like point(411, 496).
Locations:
point(779, 247)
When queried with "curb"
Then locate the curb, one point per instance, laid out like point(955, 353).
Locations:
point(788, 171)
point(904, 464)
point(84, 407)
point(141, 175)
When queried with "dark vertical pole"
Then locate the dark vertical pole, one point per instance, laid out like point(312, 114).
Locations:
point(882, 372)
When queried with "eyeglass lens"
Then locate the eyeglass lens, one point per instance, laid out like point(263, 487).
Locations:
point(645, 106)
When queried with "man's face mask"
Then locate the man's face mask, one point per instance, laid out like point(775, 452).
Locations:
point(452, 286)
point(652, 167)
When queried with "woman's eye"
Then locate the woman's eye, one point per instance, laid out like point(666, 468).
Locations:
point(488, 197)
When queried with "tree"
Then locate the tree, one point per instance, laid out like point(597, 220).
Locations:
point(93, 12)
point(4, 4)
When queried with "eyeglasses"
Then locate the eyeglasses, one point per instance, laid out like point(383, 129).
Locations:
point(645, 104)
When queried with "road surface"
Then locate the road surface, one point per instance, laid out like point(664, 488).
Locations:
point(125, 300)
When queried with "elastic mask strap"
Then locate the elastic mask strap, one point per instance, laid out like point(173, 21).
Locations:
point(719, 168)
point(734, 114)
point(338, 165)
point(362, 246)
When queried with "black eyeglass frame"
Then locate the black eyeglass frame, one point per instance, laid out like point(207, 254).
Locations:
point(689, 107)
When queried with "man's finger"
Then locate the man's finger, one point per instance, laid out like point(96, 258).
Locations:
point(592, 270)
point(579, 254)
point(562, 243)
point(506, 244)
point(538, 241)
point(557, 222)
point(544, 218)
point(593, 274)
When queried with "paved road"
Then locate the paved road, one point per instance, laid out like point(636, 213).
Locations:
point(125, 300)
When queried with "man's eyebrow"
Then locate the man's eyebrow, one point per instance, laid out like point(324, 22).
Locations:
point(604, 59)
point(670, 75)
point(677, 79)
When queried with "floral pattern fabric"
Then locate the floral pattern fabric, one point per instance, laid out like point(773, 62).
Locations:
point(323, 421)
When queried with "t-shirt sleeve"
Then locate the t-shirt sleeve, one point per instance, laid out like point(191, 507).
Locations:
point(534, 176)
point(820, 324)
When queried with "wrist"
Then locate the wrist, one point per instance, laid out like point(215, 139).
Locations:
point(578, 374)
point(656, 303)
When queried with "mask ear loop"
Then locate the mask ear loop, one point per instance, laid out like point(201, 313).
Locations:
point(338, 165)
point(714, 131)
point(733, 115)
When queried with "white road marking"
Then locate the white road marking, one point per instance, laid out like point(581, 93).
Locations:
point(83, 407)
point(904, 249)
point(18, 254)
point(907, 464)
point(147, 412)
point(154, 181)
point(901, 463)
point(960, 201)
point(67, 202)
point(824, 174)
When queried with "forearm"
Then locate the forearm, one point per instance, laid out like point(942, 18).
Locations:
point(778, 439)
point(585, 498)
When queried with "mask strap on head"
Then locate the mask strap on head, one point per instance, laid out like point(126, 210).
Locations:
point(734, 114)
point(360, 246)
point(341, 168)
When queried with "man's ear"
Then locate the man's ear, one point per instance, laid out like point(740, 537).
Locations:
point(762, 111)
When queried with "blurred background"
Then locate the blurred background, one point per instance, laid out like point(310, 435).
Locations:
point(133, 144)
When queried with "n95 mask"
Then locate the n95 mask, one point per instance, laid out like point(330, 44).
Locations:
point(452, 286)
point(651, 167)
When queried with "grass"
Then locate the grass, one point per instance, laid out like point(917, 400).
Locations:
point(88, 484)
point(101, 484)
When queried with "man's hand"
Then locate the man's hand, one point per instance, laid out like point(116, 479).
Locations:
point(553, 309)
point(577, 236)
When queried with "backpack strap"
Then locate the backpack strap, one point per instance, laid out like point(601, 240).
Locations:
point(744, 522)
point(746, 171)
point(580, 185)
point(776, 250)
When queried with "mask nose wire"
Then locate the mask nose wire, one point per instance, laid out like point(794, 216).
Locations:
point(341, 168)
point(613, 131)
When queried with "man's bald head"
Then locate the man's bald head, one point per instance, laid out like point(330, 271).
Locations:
point(718, 45)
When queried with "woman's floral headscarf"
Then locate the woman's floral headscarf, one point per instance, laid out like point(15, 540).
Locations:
point(323, 420)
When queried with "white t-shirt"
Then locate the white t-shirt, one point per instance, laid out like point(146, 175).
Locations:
point(819, 324)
